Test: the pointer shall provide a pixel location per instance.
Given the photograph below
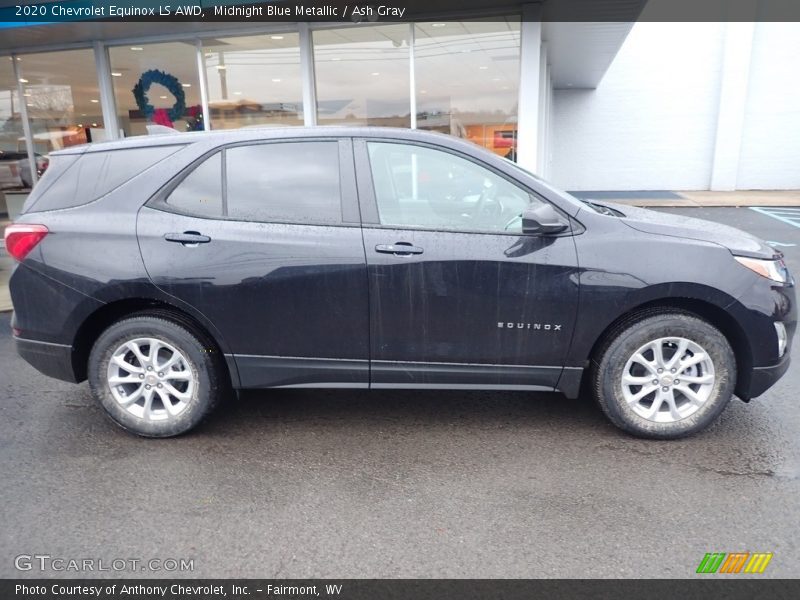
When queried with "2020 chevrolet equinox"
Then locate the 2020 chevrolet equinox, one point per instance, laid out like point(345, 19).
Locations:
point(170, 269)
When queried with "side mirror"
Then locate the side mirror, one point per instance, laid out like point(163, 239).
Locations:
point(542, 219)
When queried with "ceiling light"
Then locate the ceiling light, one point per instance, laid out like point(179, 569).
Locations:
point(80, 124)
point(237, 93)
point(423, 91)
point(483, 68)
point(163, 97)
point(23, 80)
point(186, 85)
point(221, 67)
point(94, 101)
point(137, 48)
point(94, 124)
point(276, 80)
point(336, 58)
point(28, 95)
point(83, 114)
point(438, 24)
point(375, 73)
point(276, 37)
point(116, 74)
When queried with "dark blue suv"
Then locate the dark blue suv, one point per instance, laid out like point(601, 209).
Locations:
point(169, 269)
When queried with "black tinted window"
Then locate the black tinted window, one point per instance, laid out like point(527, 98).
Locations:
point(294, 182)
point(95, 174)
point(200, 192)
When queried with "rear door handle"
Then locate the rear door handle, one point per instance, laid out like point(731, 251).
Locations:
point(400, 249)
point(187, 237)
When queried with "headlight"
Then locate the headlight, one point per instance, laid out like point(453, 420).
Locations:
point(771, 269)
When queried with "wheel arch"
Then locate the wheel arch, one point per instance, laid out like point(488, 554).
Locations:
point(708, 311)
point(108, 314)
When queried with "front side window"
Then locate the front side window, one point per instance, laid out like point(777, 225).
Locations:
point(419, 187)
point(284, 182)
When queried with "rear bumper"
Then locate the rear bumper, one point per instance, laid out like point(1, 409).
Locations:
point(763, 378)
point(53, 360)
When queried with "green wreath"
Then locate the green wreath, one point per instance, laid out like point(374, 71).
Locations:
point(170, 82)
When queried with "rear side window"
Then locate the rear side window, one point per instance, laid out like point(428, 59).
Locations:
point(284, 182)
point(95, 174)
point(200, 192)
point(296, 182)
point(57, 166)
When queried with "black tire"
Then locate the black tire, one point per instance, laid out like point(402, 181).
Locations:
point(633, 334)
point(201, 359)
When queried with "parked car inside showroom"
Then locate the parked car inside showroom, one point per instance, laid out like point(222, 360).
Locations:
point(169, 269)
point(15, 169)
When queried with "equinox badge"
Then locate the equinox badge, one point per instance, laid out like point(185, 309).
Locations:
point(535, 326)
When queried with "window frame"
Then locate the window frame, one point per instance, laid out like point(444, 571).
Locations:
point(369, 200)
point(350, 215)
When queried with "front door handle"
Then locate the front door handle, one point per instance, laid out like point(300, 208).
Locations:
point(187, 238)
point(398, 249)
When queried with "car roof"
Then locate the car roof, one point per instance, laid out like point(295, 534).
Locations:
point(226, 136)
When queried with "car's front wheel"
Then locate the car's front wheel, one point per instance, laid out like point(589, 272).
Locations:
point(664, 375)
point(154, 376)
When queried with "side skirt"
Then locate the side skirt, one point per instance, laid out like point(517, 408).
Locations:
point(298, 372)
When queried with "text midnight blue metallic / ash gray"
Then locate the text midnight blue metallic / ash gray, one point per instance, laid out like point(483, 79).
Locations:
point(168, 270)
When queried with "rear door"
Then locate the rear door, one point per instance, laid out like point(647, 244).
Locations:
point(264, 240)
point(459, 296)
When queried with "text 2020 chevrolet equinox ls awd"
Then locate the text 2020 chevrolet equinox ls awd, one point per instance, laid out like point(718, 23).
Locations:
point(168, 269)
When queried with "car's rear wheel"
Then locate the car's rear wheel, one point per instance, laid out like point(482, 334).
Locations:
point(154, 376)
point(664, 375)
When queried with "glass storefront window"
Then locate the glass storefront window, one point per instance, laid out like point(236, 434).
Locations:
point(467, 80)
point(254, 80)
point(178, 59)
point(62, 97)
point(362, 75)
point(13, 153)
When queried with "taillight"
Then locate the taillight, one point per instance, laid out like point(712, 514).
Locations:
point(21, 238)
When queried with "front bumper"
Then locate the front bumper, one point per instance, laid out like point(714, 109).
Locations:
point(763, 378)
point(53, 360)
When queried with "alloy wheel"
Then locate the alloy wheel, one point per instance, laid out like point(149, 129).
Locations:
point(151, 379)
point(668, 379)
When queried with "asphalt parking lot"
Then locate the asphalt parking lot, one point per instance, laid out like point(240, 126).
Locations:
point(309, 483)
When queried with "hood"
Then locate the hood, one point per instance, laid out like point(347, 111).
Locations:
point(737, 241)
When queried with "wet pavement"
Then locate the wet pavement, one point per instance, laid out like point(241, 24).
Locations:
point(314, 483)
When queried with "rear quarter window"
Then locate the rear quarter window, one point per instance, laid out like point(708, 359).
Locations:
point(93, 175)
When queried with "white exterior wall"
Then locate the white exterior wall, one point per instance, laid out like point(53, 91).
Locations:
point(651, 124)
point(770, 151)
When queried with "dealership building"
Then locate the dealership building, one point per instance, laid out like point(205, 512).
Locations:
point(602, 105)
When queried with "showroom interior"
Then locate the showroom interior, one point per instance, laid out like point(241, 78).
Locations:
point(489, 78)
point(623, 102)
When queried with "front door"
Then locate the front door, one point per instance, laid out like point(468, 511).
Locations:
point(459, 296)
point(263, 240)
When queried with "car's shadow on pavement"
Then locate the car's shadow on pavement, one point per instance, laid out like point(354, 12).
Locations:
point(408, 409)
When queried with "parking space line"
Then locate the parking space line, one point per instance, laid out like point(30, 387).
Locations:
point(790, 218)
